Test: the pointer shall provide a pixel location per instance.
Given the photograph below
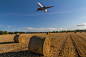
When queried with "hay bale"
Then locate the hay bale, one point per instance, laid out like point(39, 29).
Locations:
point(39, 44)
point(80, 31)
point(19, 38)
point(66, 32)
point(46, 47)
point(74, 31)
point(47, 33)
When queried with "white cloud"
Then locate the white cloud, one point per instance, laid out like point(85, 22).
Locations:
point(9, 26)
point(29, 28)
point(5, 26)
point(39, 28)
point(84, 27)
point(82, 24)
point(50, 28)
point(60, 28)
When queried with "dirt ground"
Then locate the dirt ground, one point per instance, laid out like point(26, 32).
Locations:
point(62, 45)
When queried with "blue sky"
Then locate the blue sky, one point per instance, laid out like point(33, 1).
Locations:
point(21, 15)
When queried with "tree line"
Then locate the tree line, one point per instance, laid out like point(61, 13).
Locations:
point(69, 31)
point(5, 32)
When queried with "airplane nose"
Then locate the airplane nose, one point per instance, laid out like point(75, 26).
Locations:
point(38, 3)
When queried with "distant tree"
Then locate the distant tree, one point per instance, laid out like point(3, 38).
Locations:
point(5, 32)
point(70, 30)
point(32, 33)
point(60, 31)
point(63, 30)
point(10, 32)
point(1, 32)
point(40, 32)
point(77, 30)
point(54, 31)
point(21, 32)
point(85, 30)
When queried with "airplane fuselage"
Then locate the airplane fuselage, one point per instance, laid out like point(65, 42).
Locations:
point(41, 7)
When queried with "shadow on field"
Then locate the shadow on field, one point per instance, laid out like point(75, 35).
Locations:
point(20, 54)
point(6, 42)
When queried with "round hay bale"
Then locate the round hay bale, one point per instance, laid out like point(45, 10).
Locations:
point(66, 32)
point(19, 38)
point(80, 31)
point(39, 44)
point(47, 33)
point(46, 47)
point(74, 31)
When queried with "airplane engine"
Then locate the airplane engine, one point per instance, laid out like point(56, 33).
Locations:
point(45, 10)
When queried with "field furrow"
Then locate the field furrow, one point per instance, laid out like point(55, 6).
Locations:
point(68, 49)
point(81, 36)
point(80, 45)
point(57, 44)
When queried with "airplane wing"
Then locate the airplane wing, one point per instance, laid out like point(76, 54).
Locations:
point(37, 10)
point(48, 7)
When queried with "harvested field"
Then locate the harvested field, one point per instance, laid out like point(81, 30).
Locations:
point(61, 45)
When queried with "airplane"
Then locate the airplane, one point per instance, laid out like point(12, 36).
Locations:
point(43, 8)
